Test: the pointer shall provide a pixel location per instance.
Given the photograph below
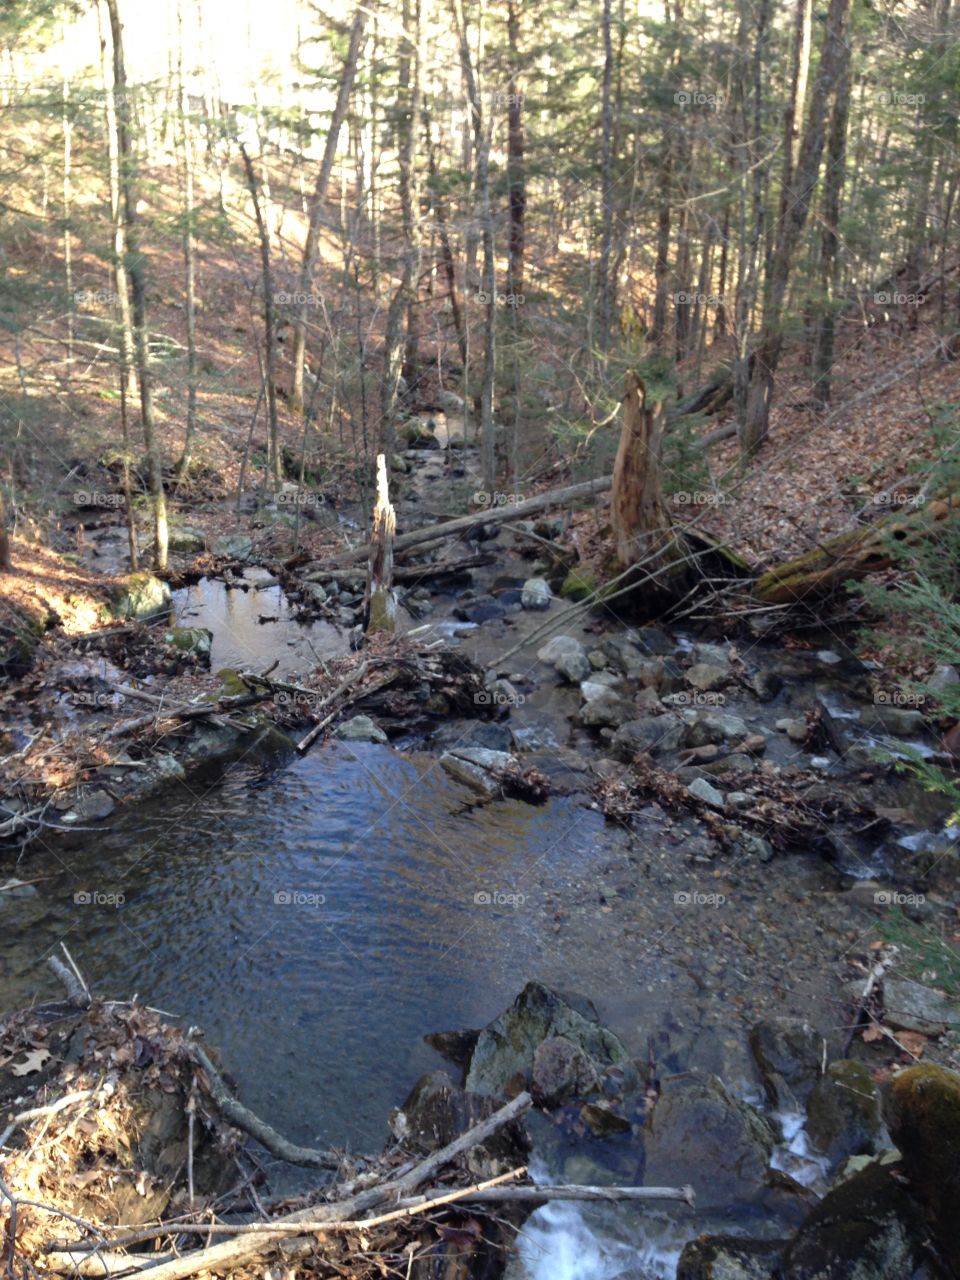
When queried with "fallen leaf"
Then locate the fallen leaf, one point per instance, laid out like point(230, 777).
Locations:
point(872, 1033)
point(913, 1041)
point(32, 1062)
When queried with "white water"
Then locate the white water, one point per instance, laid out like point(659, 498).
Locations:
point(559, 1242)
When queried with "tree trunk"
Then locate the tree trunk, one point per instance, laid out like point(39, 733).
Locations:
point(189, 256)
point(316, 207)
point(642, 530)
point(6, 563)
point(606, 180)
point(275, 464)
point(516, 173)
point(137, 276)
point(381, 600)
point(446, 253)
point(794, 206)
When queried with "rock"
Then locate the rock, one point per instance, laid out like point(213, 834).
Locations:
point(714, 654)
point(705, 726)
point(625, 655)
point(360, 729)
point(944, 677)
point(739, 800)
point(866, 1228)
point(507, 1047)
point(477, 768)
point(399, 465)
point(483, 609)
point(183, 541)
point(197, 641)
point(789, 1054)
point(605, 710)
point(578, 584)
point(13, 889)
point(704, 676)
point(450, 402)
point(140, 596)
point(795, 729)
point(598, 685)
point(900, 722)
point(536, 594)
point(700, 1134)
point(843, 1113)
point(418, 435)
point(910, 1006)
point(754, 745)
point(456, 1046)
point(652, 734)
point(757, 847)
point(568, 656)
point(436, 1111)
point(700, 789)
point(598, 659)
point(765, 685)
point(137, 784)
point(562, 1071)
point(315, 593)
point(602, 1120)
point(731, 1258)
point(923, 1111)
point(647, 702)
point(94, 806)
point(234, 546)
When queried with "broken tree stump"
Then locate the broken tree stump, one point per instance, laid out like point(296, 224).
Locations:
point(381, 598)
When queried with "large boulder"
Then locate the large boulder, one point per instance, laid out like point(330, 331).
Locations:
point(867, 1228)
point(562, 1071)
point(436, 1111)
point(843, 1113)
point(730, 1258)
point(789, 1054)
point(140, 597)
point(922, 1110)
point(506, 1049)
point(700, 1134)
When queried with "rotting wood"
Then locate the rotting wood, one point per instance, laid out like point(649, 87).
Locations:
point(381, 599)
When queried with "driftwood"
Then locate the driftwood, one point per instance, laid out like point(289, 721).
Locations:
point(403, 573)
point(451, 528)
point(850, 556)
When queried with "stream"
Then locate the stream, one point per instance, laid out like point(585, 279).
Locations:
point(318, 918)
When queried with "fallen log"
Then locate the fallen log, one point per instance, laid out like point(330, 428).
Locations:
point(851, 556)
point(515, 511)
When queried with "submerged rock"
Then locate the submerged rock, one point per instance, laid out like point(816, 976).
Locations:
point(700, 1134)
point(478, 768)
point(506, 1049)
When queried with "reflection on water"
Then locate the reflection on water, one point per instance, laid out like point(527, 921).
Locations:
point(316, 922)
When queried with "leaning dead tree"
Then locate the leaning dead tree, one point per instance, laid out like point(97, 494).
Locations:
point(642, 529)
point(381, 598)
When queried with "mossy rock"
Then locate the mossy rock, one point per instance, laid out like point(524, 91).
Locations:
point(922, 1109)
point(193, 640)
point(843, 1112)
point(579, 584)
point(183, 541)
point(231, 686)
point(140, 596)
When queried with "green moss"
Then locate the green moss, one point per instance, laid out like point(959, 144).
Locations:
point(579, 584)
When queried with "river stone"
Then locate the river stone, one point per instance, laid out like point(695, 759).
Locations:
point(866, 1228)
point(436, 1111)
point(730, 1258)
point(789, 1054)
point(234, 545)
point(536, 594)
point(922, 1109)
point(94, 806)
point(647, 702)
point(568, 656)
point(197, 641)
point(507, 1047)
point(704, 676)
point(704, 727)
point(140, 596)
point(910, 1006)
point(11, 889)
point(360, 729)
point(477, 768)
point(714, 654)
point(626, 655)
point(700, 1134)
point(653, 734)
point(765, 685)
point(901, 722)
point(944, 677)
point(562, 1071)
point(183, 541)
point(606, 710)
point(315, 593)
point(843, 1113)
point(701, 789)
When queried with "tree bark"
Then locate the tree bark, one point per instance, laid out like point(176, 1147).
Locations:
point(606, 179)
point(381, 600)
point(516, 173)
point(274, 462)
point(189, 255)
